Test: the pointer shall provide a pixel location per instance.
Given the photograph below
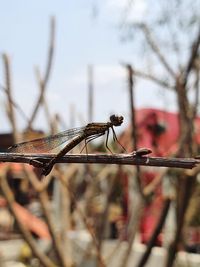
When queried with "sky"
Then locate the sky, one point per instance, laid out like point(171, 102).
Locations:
point(87, 33)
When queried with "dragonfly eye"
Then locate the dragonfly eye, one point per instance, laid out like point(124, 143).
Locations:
point(116, 120)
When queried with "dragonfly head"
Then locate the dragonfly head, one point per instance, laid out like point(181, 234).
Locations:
point(116, 120)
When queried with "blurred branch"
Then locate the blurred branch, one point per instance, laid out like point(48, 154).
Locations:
point(139, 204)
point(43, 100)
point(193, 56)
point(44, 81)
point(196, 88)
point(185, 193)
point(134, 134)
point(26, 234)
point(10, 110)
point(155, 234)
point(155, 48)
point(104, 216)
point(47, 213)
point(37, 160)
point(150, 188)
point(84, 218)
point(152, 78)
point(148, 76)
point(15, 105)
point(186, 146)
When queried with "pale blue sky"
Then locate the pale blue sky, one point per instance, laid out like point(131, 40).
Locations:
point(80, 40)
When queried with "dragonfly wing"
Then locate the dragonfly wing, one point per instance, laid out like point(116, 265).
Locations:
point(45, 144)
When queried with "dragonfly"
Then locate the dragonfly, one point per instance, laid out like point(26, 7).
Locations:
point(76, 135)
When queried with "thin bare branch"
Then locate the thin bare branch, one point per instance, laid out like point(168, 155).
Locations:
point(11, 113)
point(45, 80)
point(155, 234)
point(130, 75)
point(43, 101)
point(148, 76)
point(84, 218)
point(37, 160)
point(155, 48)
point(15, 105)
point(139, 203)
point(193, 56)
point(26, 234)
point(152, 78)
point(46, 206)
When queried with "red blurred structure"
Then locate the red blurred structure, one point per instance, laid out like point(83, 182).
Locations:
point(157, 130)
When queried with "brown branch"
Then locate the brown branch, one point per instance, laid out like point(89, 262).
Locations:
point(139, 204)
point(185, 190)
point(90, 92)
point(148, 76)
point(151, 187)
point(15, 105)
point(196, 93)
point(37, 160)
point(193, 56)
point(155, 234)
point(45, 80)
point(155, 48)
point(25, 232)
point(84, 218)
point(133, 123)
point(10, 110)
point(152, 78)
point(47, 213)
point(43, 101)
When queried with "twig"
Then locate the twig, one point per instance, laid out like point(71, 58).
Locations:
point(87, 224)
point(15, 105)
point(156, 49)
point(153, 78)
point(37, 160)
point(193, 56)
point(90, 92)
point(139, 203)
point(47, 72)
point(11, 113)
point(133, 124)
point(186, 191)
point(46, 206)
point(155, 234)
point(151, 187)
point(26, 234)
point(42, 86)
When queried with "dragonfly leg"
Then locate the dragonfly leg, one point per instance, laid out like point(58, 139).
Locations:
point(36, 163)
point(116, 139)
point(85, 146)
point(89, 139)
point(107, 142)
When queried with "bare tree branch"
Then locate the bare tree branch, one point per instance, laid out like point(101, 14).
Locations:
point(155, 48)
point(155, 234)
point(37, 160)
point(193, 56)
point(87, 224)
point(152, 78)
point(46, 262)
point(15, 105)
point(45, 80)
point(46, 209)
point(11, 113)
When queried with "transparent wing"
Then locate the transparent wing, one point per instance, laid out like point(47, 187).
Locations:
point(42, 145)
